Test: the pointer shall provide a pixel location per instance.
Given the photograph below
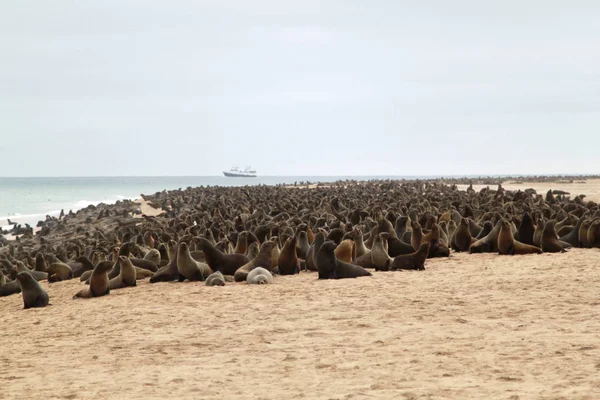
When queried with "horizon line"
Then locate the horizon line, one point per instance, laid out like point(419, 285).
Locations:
point(313, 176)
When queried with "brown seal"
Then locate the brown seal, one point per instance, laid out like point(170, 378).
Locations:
point(127, 274)
point(379, 252)
point(549, 240)
point(345, 251)
point(33, 293)
point(40, 262)
point(20, 267)
point(189, 268)
point(311, 256)
point(414, 261)
point(488, 243)
point(59, 271)
point(593, 235)
point(169, 272)
point(99, 282)
point(462, 236)
point(330, 267)
point(263, 259)
point(288, 263)
point(217, 261)
point(526, 229)
point(416, 236)
point(508, 245)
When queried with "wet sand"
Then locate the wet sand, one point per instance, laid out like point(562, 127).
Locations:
point(471, 326)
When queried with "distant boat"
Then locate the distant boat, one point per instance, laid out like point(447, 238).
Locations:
point(235, 172)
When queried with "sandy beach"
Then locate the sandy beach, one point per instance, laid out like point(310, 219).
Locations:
point(471, 326)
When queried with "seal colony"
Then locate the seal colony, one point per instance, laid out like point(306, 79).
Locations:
point(252, 234)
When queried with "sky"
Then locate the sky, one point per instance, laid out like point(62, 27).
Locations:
point(148, 87)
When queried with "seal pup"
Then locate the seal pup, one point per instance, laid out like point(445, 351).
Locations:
point(33, 293)
point(215, 279)
point(508, 245)
point(263, 259)
point(414, 261)
point(99, 282)
point(127, 274)
point(259, 276)
point(330, 267)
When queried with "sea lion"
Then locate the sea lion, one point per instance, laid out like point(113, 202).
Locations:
point(228, 264)
point(99, 282)
point(215, 279)
point(86, 265)
point(168, 272)
point(33, 293)
point(330, 267)
point(462, 236)
point(127, 274)
point(154, 256)
point(414, 261)
point(302, 245)
point(416, 236)
point(59, 272)
point(259, 276)
point(311, 256)
point(252, 251)
point(549, 240)
point(583, 233)
point(40, 262)
point(145, 264)
point(593, 235)
point(573, 237)
point(488, 243)
point(508, 245)
point(379, 252)
point(345, 251)
point(288, 263)
point(189, 268)
point(263, 259)
point(526, 229)
point(141, 273)
point(537, 234)
point(20, 267)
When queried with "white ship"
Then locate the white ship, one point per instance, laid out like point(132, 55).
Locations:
point(235, 172)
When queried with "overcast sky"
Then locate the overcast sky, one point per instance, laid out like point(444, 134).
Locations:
point(123, 87)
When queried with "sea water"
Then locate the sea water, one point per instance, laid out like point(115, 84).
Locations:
point(28, 200)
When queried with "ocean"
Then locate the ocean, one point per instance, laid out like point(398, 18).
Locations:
point(29, 200)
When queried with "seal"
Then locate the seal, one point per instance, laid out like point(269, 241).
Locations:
point(40, 262)
point(311, 256)
point(345, 251)
point(462, 236)
point(508, 245)
point(416, 236)
point(583, 232)
point(153, 256)
point(379, 252)
point(526, 229)
point(259, 276)
point(127, 274)
point(145, 264)
point(20, 267)
point(549, 240)
point(99, 285)
point(189, 268)
point(302, 245)
point(330, 267)
point(59, 271)
point(33, 293)
point(414, 261)
point(263, 259)
point(288, 263)
point(168, 272)
point(537, 234)
point(573, 237)
point(215, 279)
point(228, 264)
point(488, 243)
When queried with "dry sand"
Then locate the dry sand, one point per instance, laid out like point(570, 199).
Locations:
point(471, 326)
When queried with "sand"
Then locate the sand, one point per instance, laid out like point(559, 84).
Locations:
point(471, 326)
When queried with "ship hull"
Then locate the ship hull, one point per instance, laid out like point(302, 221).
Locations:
point(234, 175)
